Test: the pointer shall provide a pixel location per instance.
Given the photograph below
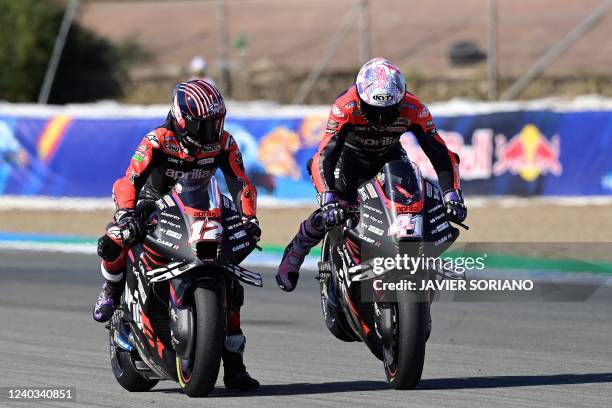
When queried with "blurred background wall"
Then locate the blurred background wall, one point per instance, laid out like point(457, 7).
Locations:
point(134, 50)
point(307, 52)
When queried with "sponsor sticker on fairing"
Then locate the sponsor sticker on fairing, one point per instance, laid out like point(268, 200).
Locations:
point(371, 191)
point(169, 201)
point(362, 193)
point(240, 246)
point(434, 209)
point(237, 235)
point(174, 234)
point(167, 243)
point(366, 239)
point(370, 208)
point(376, 220)
point(437, 218)
point(169, 223)
point(443, 239)
point(375, 230)
point(440, 227)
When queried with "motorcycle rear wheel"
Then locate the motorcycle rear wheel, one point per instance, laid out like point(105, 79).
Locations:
point(405, 356)
point(199, 375)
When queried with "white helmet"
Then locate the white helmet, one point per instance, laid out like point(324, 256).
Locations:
point(381, 88)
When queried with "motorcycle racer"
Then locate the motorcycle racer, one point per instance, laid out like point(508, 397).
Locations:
point(362, 134)
point(193, 143)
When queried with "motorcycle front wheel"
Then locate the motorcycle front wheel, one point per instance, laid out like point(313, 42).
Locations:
point(198, 375)
point(405, 355)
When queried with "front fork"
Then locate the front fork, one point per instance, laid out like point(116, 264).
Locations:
point(385, 316)
point(182, 323)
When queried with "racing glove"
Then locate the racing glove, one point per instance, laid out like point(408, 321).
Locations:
point(251, 225)
point(455, 208)
point(130, 226)
point(332, 212)
point(108, 248)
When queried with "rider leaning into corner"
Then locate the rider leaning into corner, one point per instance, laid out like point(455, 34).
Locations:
point(192, 140)
point(363, 133)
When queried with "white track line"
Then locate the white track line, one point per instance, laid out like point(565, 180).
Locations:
point(10, 203)
point(256, 259)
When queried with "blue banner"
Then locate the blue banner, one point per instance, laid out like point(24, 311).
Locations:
point(525, 153)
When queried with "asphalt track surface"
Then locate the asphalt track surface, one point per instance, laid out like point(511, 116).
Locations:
point(480, 353)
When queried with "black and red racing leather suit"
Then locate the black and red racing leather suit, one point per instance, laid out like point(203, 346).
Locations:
point(159, 161)
point(353, 151)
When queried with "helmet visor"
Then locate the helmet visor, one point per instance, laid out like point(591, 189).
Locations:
point(380, 115)
point(204, 131)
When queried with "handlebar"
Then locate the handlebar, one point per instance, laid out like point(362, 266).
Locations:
point(462, 225)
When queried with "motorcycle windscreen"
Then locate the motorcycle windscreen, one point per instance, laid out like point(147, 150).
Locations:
point(401, 183)
point(200, 193)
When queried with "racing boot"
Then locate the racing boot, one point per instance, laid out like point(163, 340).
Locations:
point(108, 300)
point(310, 234)
point(235, 375)
point(112, 289)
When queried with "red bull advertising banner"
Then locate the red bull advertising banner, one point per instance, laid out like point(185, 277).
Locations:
point(524, 153)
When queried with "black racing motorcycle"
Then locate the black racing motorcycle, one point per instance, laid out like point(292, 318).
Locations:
point(180, 284)
point(398, 213)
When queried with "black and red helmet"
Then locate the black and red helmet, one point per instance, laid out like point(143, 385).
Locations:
point(198, 112)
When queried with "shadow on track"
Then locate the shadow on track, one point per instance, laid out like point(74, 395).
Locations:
point(512, 381)
point(295, 389)
point(426, 384)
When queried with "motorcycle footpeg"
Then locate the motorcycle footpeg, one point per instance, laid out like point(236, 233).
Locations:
point(450, 274)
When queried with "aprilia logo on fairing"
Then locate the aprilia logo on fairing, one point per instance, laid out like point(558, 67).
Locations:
point(197, 174)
